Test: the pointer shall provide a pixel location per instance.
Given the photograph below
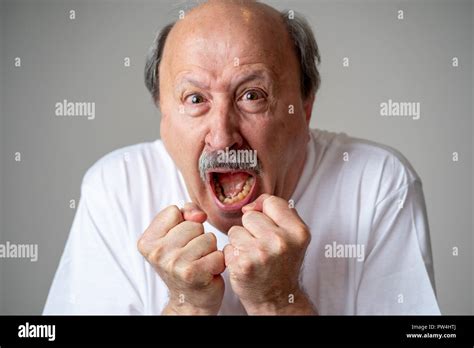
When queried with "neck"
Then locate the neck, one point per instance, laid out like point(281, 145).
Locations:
point(293, 176)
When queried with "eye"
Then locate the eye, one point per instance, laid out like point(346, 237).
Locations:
point(253, 101)
point(194, 104)
point(252, 94)
point(194, 99)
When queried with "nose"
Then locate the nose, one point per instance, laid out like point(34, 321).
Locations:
point(224, 128)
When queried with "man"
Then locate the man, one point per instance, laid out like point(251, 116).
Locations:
point(315, 223)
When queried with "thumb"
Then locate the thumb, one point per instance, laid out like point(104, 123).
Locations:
point(192, 212)
point(256, 205)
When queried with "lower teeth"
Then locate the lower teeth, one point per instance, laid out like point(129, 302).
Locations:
point(236, 198)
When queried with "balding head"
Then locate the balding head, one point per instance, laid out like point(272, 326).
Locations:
point(229, 30)
point(288, 32)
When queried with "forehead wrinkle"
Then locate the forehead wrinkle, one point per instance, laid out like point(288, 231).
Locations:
point(230, 80)
point(254, 72)
point(194, 78)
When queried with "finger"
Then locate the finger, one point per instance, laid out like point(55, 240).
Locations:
point(229, 254)
point(278, 210)
point(240, 238)
point(199, 247)
point(256, 204)
point(183, 233)
point(213, 263)
point(164, 221)
point(192, 212)
point(258, 224)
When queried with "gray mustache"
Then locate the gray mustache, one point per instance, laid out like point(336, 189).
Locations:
point(244, 161)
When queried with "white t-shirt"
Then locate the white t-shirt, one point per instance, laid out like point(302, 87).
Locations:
point(369, 253)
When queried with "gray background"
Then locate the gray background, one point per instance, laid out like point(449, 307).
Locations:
point(82, 60)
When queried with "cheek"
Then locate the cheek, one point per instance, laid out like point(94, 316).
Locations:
point(261, 136)
point(277, 136)
point(280, 127)
point(290, 126)
point(167, 132)
point(180, 141)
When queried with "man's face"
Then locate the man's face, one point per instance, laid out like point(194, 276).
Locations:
point(229, 78)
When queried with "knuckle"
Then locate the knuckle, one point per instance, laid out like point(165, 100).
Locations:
point(303, 235)
point(263, 256)
point(172, 210)
point(171, 213)
point(171, 265)
point(155, 256)
point(142, 245)
point(246, 266)
point(280, 245)
point(187, 274)
point(271, 201)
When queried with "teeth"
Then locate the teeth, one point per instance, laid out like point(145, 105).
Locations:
point(240, 196)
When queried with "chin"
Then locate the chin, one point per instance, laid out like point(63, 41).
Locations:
point(224, 224)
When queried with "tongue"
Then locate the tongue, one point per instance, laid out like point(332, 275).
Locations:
point(232, 183)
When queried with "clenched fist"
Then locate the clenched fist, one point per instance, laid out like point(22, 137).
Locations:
point(186, 259)
point(264, 258)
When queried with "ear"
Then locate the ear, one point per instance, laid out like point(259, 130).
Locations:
point(308, 106)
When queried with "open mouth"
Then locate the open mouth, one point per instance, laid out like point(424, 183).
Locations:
point(232, 189)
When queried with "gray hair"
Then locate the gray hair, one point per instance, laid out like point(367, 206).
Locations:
point(300, 33)
point(211, 160)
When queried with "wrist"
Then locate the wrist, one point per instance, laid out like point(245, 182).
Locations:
point(184, 308)
point(295, 303)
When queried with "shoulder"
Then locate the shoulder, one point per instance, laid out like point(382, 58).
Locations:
point(127, 163)
point(363, 159)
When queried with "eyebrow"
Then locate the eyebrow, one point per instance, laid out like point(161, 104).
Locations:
point(260, 74)
point(254, 75)
point(191, 80)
